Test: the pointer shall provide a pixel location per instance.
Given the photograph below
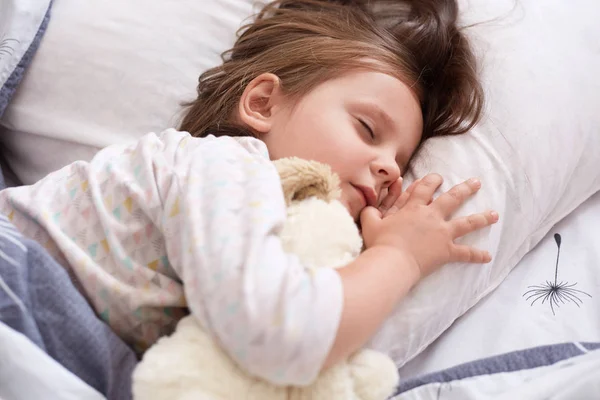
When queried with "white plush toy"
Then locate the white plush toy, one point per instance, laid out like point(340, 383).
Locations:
point(189, 365)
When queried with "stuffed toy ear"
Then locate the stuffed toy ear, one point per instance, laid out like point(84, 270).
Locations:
point(301, 179)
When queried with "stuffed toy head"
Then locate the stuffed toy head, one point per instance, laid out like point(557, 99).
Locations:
point(318, 229)
point(301, 179)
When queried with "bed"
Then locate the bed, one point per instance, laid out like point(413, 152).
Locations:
point(526, 327)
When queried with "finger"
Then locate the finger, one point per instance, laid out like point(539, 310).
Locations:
point(447, 203)
point(394, 192)
point(412, 186)
point(468, 254)
point(464, 225)
point(424, 190)
point(401, 202)
point(369, 218)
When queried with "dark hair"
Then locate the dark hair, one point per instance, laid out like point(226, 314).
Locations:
point(306, 42)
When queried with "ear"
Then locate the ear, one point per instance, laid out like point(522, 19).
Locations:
point(261, 96)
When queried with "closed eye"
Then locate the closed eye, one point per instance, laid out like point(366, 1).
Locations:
point(368, 128)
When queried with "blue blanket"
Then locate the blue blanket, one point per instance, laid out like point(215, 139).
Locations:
point(38, 299)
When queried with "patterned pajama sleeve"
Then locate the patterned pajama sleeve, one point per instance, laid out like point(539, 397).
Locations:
point(174, 221)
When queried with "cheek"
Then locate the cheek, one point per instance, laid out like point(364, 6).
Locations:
point(325, 135)
point(339, 155)
point(346, 153)
point(317, 136)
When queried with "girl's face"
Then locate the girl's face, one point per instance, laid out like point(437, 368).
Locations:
point(365, 125)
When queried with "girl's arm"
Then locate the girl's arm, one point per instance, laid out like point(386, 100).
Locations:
point(373, 285)
point(223, 208)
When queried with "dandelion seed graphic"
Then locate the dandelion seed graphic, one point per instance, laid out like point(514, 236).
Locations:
point(553, 292)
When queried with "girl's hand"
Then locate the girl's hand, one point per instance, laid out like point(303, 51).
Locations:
point(419, 227)
point(391, 197)
point(396, 199)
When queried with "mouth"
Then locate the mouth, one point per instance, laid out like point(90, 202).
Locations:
point(368, 194)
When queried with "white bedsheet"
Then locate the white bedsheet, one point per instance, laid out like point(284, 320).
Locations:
point(505, 321)
point(27, 373)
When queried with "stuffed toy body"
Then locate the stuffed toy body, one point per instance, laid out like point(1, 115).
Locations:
point(190, 365)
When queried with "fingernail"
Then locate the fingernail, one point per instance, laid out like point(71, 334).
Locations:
point(431, 178)
point(495, 216)
point(475, 182)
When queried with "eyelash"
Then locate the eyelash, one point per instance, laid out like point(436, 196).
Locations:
point(368, 128)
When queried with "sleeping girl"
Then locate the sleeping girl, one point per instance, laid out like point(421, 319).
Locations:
point(187, 220)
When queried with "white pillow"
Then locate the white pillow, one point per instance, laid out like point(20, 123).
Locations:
point(109, 71)
point(537, 152)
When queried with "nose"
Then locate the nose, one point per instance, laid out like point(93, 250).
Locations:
point(386, 172)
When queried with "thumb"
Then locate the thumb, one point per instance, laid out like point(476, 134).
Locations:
point(369, 217)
